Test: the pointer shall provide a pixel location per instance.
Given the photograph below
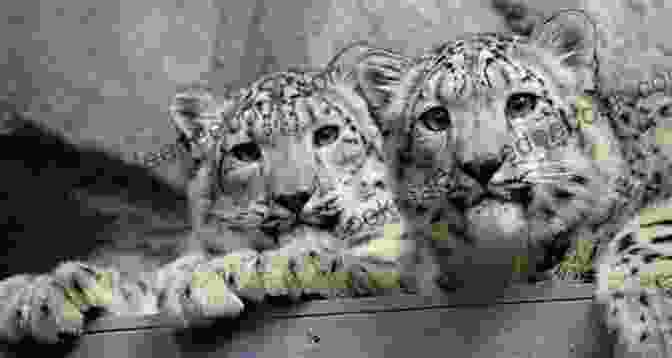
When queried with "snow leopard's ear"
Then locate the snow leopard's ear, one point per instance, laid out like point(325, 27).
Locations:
point(343, 65)
point(572, 37)
point(378, 73)
point(196, 114)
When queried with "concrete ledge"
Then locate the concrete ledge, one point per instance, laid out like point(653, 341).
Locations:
point(525, 321)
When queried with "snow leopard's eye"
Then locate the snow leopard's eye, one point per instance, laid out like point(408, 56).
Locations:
point(521, 104)
point(326, 135)
point(247, 152)
point(436, 119)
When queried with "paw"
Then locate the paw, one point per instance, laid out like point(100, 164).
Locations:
point(49, 308)
point(382, 264)
point(311, 272)
point(288, 272)
point(370, 276)
point(241, 271)
point(311, 263)
point(578, 264)
point(285, 273)
point(193, 290)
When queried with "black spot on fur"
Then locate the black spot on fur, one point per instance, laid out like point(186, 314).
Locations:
point(161, 299)
point(643, 336)
point(662, 222)
point(648, 258)
point(421, 209)
point(143, 287)
point(625, 242)
point(563, 194)
point(634, 271)
point(644, 300)
point(661, 239)
point(44, 309)
point(579, 179)
point(625, 118)
point(635, 251)
point(126, 293)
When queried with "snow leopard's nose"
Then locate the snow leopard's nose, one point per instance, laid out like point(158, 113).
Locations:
point(482, 169)
point(293, 202)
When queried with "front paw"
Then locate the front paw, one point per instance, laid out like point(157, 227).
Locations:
point(307, 271)
point(371, 278)
point(287, 272)
point(242, 271)
point(194, 291)
point(577, 265)
point(49, 308)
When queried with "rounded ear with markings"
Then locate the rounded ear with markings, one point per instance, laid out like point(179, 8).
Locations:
point(344, 63)
point(378, 74)
point(572, 36)
point(197, 115)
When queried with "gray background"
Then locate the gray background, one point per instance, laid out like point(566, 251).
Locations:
point(104, 70)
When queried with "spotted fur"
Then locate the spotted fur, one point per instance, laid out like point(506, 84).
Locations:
point(485, 136)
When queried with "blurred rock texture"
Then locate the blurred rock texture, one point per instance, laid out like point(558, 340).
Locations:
point(105, 69)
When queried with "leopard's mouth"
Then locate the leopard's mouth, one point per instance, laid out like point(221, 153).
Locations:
point(502, 210)
point(519, 193)
point(474, 221)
